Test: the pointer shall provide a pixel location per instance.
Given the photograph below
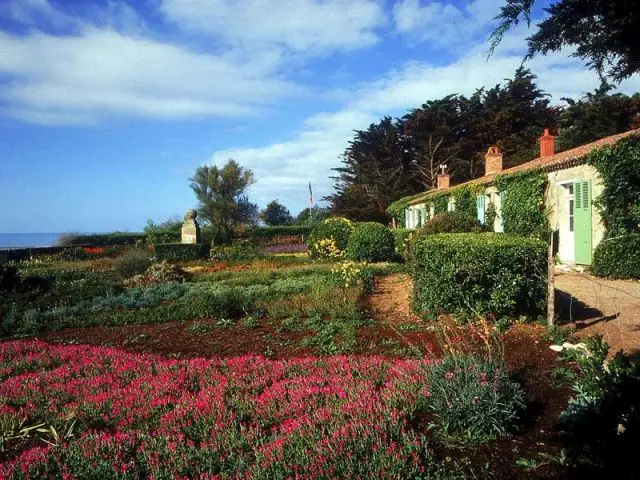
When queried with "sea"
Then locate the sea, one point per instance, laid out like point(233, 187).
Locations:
point(24, 240)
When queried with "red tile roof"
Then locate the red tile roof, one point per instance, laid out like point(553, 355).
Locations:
point(566, 159)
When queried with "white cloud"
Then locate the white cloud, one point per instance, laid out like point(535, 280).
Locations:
point(299, 25)
point(29, 12)
point(102, 72)
point(443, 24)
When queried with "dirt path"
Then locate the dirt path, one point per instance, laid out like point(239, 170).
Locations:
point(599, 306)
point(391, 299)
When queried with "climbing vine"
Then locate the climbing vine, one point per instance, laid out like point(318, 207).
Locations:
point(466, 198)
point(619, 167)
point(523, 207)
point(398, 208)
point(440, 203)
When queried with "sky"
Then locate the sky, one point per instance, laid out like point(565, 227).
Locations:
point(107, 107)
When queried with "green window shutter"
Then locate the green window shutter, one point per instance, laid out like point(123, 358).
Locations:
point(582, 222)
point(480, 208)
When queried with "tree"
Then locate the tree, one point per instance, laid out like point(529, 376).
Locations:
point(314, 215)
point(222, 200)
point(275, 214)
point(604, 33)
point(596, 115)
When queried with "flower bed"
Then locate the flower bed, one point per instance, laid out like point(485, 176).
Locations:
point(127, 415)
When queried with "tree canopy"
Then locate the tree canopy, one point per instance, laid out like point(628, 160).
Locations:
point(604, 33)
point(222, 199)
point(275, 214)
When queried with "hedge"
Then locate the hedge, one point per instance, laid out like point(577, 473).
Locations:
point(371, 242)
point(100, 239)
point(451, 222)
point(280, 231)
point(479, 274)
point(65, 253)
point(179, 252)
point(618, 257)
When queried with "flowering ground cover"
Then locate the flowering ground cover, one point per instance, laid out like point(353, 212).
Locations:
point(126, 415)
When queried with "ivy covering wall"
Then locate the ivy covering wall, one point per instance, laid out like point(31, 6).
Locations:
point(523, 206)
point(619, 167)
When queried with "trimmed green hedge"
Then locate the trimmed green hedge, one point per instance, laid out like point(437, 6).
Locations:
point(279, 231)
point(451, 222)
point(618, 257)
point(371, 242)
point(179, 252)
point(237, 252)
point(479, 274)
point(100, 239)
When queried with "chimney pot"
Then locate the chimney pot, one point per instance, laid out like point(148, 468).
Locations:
point(547, 144)
point(493, 160)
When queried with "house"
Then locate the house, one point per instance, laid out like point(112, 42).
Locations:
point(572, 185)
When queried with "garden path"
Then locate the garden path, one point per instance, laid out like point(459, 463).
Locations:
point(600, 306)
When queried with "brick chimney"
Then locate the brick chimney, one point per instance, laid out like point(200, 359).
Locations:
point(493, 161)
point(443, 180)
point(547, 144)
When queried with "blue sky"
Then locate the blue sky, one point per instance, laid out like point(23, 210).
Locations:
point(108, 106)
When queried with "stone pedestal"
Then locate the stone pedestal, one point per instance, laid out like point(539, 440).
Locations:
point(190, 228)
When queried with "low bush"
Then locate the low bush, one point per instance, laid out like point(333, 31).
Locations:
point(279, 231)
point(161, 272)
point(618, 257)
point(371, 242)
point(451, 222)
point(9, 278)
point(99, 239)
point(472, 399)
point(238, 252)
point(335, 229)
point(132, 262)
point(401, 240)
point(179, 252)
point(471, 275)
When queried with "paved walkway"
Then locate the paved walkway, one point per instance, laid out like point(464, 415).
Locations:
point(595, 305)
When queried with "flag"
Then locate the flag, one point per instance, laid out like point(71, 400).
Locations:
point(310, 195)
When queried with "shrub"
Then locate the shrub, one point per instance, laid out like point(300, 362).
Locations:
point(100, 239)
point(162, 272)
point(401, 239)
point(451, 222)
point(618, 257)
point(9, 278)
point(237, 252)
point(179, 252)
point(132, 263)
point(279, 231)
point(472, 399)
point(371, 242)
point(337, 229)
point(479, 274)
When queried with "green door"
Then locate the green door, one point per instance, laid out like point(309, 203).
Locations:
point(582, 219)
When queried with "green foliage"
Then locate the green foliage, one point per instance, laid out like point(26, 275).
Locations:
point(451, 222)
point(275, 214)
point(99, 239)
point(479, 274)
point(465, 198)
point(235, 252)
point(179, 252)
point(596, 115)
point(440, 203)
point(601, 425)
point(601, 32)
point(523, 207)
point(311, 216)
point(169, 231)
point(400, 240)
point(9, 278)
point(618, 257)
point(221, 198)
point(336, 228)
point(266, 233)
point(371, 242)
point(398, 208)
point(619, 167)
point(132, 262)
point(472, 399)
point(161, 272)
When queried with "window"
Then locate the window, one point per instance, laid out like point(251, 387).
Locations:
point(569, 188)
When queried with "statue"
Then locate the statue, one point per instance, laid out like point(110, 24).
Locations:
point(190, 227)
